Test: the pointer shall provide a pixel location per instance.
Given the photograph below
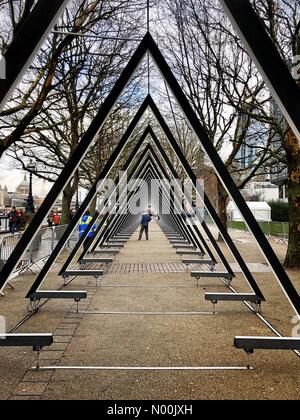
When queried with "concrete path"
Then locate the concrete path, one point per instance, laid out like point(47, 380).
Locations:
point(157, 319)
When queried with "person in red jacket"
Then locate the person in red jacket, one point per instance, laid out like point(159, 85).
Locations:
point(56, 219)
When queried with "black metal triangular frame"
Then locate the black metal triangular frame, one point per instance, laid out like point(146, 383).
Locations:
point(27, 42)
point(109, 193)
point(155, 162)
point(197, 233)
point(185, 232)
point(113, 221)
point(107, 233)
point(207, 203)
point(126, 137)
point(268, 60)
point(148, 45)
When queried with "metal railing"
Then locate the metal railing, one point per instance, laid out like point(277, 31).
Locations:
point(39, 250)
point(4, 223)
point(275, 231)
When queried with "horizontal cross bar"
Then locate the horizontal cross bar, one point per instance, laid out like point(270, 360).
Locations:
point(97, 261)
point(106, 251)
point(233, 297)
point(193, 261)
point(49, 294)
point(185, 252)
point(147, 313)
point(115, 244)
point(83, 273)
point(267, 343)
point(183, 246)
point(211, 274)
point(26, 340)
point(135, 368)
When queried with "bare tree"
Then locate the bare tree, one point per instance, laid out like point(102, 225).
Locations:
point(81, 16)
point(282, 21)
point(223, 86)
point(84, 74)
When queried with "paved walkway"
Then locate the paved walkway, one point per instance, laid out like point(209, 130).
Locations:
point(143, 318)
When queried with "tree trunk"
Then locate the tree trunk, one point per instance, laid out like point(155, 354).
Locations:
point(293, 254)
point(2, 149)
point(66, 205)
point(222, 206)
point(292, 148)
point(93, 206)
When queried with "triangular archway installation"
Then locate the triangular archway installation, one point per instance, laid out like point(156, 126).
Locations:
point(285, 93)
point(148, 45)
point(149, 102)
point(32, 293)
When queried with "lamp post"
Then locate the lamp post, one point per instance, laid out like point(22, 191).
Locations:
point(77, 200)
point(30, 210)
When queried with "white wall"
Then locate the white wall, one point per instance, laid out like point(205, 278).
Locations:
point(263, 214)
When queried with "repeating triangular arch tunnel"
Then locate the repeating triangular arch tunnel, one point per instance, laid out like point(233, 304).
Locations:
point(149, 102)
point(148, 45)
point(281, 84)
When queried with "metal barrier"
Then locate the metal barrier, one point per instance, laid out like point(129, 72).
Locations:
point(275, 231)
point(39, 250)
point(4, 223)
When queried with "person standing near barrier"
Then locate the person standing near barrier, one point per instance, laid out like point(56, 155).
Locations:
point(13, 220)
point(21, 221)
point(146, 219)
point(83, 225)
point(56, 219)
point(50, 219)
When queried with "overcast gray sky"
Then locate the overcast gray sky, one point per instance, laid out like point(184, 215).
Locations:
point(12, 177)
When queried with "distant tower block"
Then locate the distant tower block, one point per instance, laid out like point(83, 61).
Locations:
point(2, 68)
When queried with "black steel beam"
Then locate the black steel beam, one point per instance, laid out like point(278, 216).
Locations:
point(70, 168)
point(83, 273)
point(52, 294)
point(79, 243)
point(233, 297)
point(26, 340)
point(267, 58)
point(27, 42)
point(74, 222)
point(211, 274)
point(249, 344)
point(225, 178)
point(208, 205)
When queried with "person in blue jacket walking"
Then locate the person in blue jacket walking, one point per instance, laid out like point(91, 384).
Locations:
point(83, 225)
point(146, 219)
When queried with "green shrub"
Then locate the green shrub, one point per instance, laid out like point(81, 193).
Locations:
point(280, 211)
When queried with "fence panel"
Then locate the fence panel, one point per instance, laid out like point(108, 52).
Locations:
point(274, 230)
point(41, 247)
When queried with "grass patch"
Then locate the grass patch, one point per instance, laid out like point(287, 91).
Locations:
point(273, 229)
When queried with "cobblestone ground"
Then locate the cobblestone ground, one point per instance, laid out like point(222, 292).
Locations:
point(149, 312)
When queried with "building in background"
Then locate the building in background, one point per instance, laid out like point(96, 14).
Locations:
point(261, 191)
point(3, 192)
point(260, 210)
point(18, 198)
point(256, 137)
point(279, 171)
